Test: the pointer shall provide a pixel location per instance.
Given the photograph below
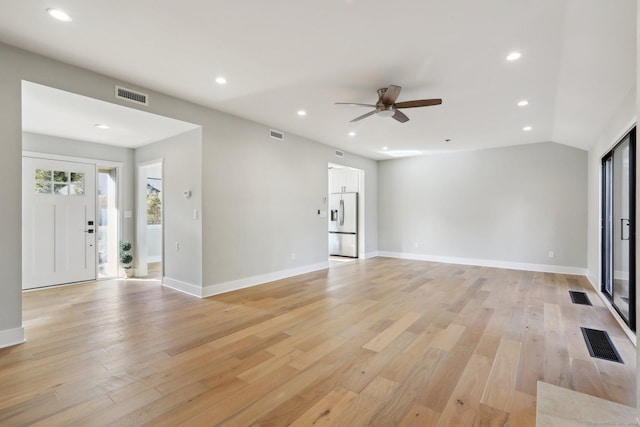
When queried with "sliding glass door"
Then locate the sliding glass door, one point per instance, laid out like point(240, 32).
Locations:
point(618, 227)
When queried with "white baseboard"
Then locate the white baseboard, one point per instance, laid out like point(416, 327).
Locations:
point(11, 337)
point(596, 286)
point(234, 285)
point(187, 288)
point(373, 254)
point(487, 263)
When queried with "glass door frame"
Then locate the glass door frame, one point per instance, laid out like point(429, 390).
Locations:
point(608, 227)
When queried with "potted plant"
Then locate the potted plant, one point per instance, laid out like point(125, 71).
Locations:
point(125, 257)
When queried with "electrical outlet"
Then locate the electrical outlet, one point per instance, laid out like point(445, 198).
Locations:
point(552, 254)
point(416, 244)
point(293, 256)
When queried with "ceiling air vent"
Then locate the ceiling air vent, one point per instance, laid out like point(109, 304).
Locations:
point(131, 96)
point(276, 134)
point(339, 153)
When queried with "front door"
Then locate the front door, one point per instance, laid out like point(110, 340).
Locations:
point(58, 222)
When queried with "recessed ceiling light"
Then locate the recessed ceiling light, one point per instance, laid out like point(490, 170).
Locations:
point(523, 103)
point(59, 15)
point(302, 113)
point(513, 56)
point(101, 126)
point(385, 148)
point(352, 134)
point(527, 128)
point(221, 80)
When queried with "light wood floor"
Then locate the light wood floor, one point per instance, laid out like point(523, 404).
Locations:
point(380, 342)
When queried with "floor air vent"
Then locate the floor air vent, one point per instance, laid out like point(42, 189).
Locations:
point(131, 96)
point(580, 298)
point(600, 345)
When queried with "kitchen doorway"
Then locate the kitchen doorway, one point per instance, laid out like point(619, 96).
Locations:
point(345, 213)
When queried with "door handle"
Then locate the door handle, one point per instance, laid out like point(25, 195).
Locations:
point(623, 222)
point(341, 212)
point(89, 231)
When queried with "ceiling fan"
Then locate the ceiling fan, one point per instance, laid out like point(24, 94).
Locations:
point(388, 107)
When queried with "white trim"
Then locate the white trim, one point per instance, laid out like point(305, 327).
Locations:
point(233, 285)
point(10, 337)
point(38, 155)
point(596, 286)
point(488, 263)
point(373, 254)
point(184, 287)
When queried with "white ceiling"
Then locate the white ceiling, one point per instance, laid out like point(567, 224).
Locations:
point(279, 56)
point(55, 112)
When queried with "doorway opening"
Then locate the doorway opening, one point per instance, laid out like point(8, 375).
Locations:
point(150, 224)
point(345, 214)
point(618, 228)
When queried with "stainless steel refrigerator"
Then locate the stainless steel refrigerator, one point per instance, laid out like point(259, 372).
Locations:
point(343, 224)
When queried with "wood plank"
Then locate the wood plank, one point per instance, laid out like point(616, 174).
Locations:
point(327, 409)
point(501, 384)
point(464, 404)
point(380, 341)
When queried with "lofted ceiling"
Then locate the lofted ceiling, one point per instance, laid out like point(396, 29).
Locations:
point(282, 56)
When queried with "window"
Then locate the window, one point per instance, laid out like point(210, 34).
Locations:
point(61, 183)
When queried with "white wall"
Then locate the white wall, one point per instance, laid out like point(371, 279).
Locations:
point(251, 185)
point(503, 205)
point(181, 170)
point(261, 198)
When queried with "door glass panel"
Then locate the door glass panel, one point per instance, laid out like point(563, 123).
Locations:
point(107, 232)
point(621, 228)
point(61, 189)
point(60, 176)
point(607, 218)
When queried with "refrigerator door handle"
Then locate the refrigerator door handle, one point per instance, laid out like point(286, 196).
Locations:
point(341, 214)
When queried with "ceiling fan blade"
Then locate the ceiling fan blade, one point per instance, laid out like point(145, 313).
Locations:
point(391, 95)
point(355, 104)
point(419, 103)
point(364, 116)
point(400, 116)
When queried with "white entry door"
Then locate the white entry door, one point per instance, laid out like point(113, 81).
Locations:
point(58, 222)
